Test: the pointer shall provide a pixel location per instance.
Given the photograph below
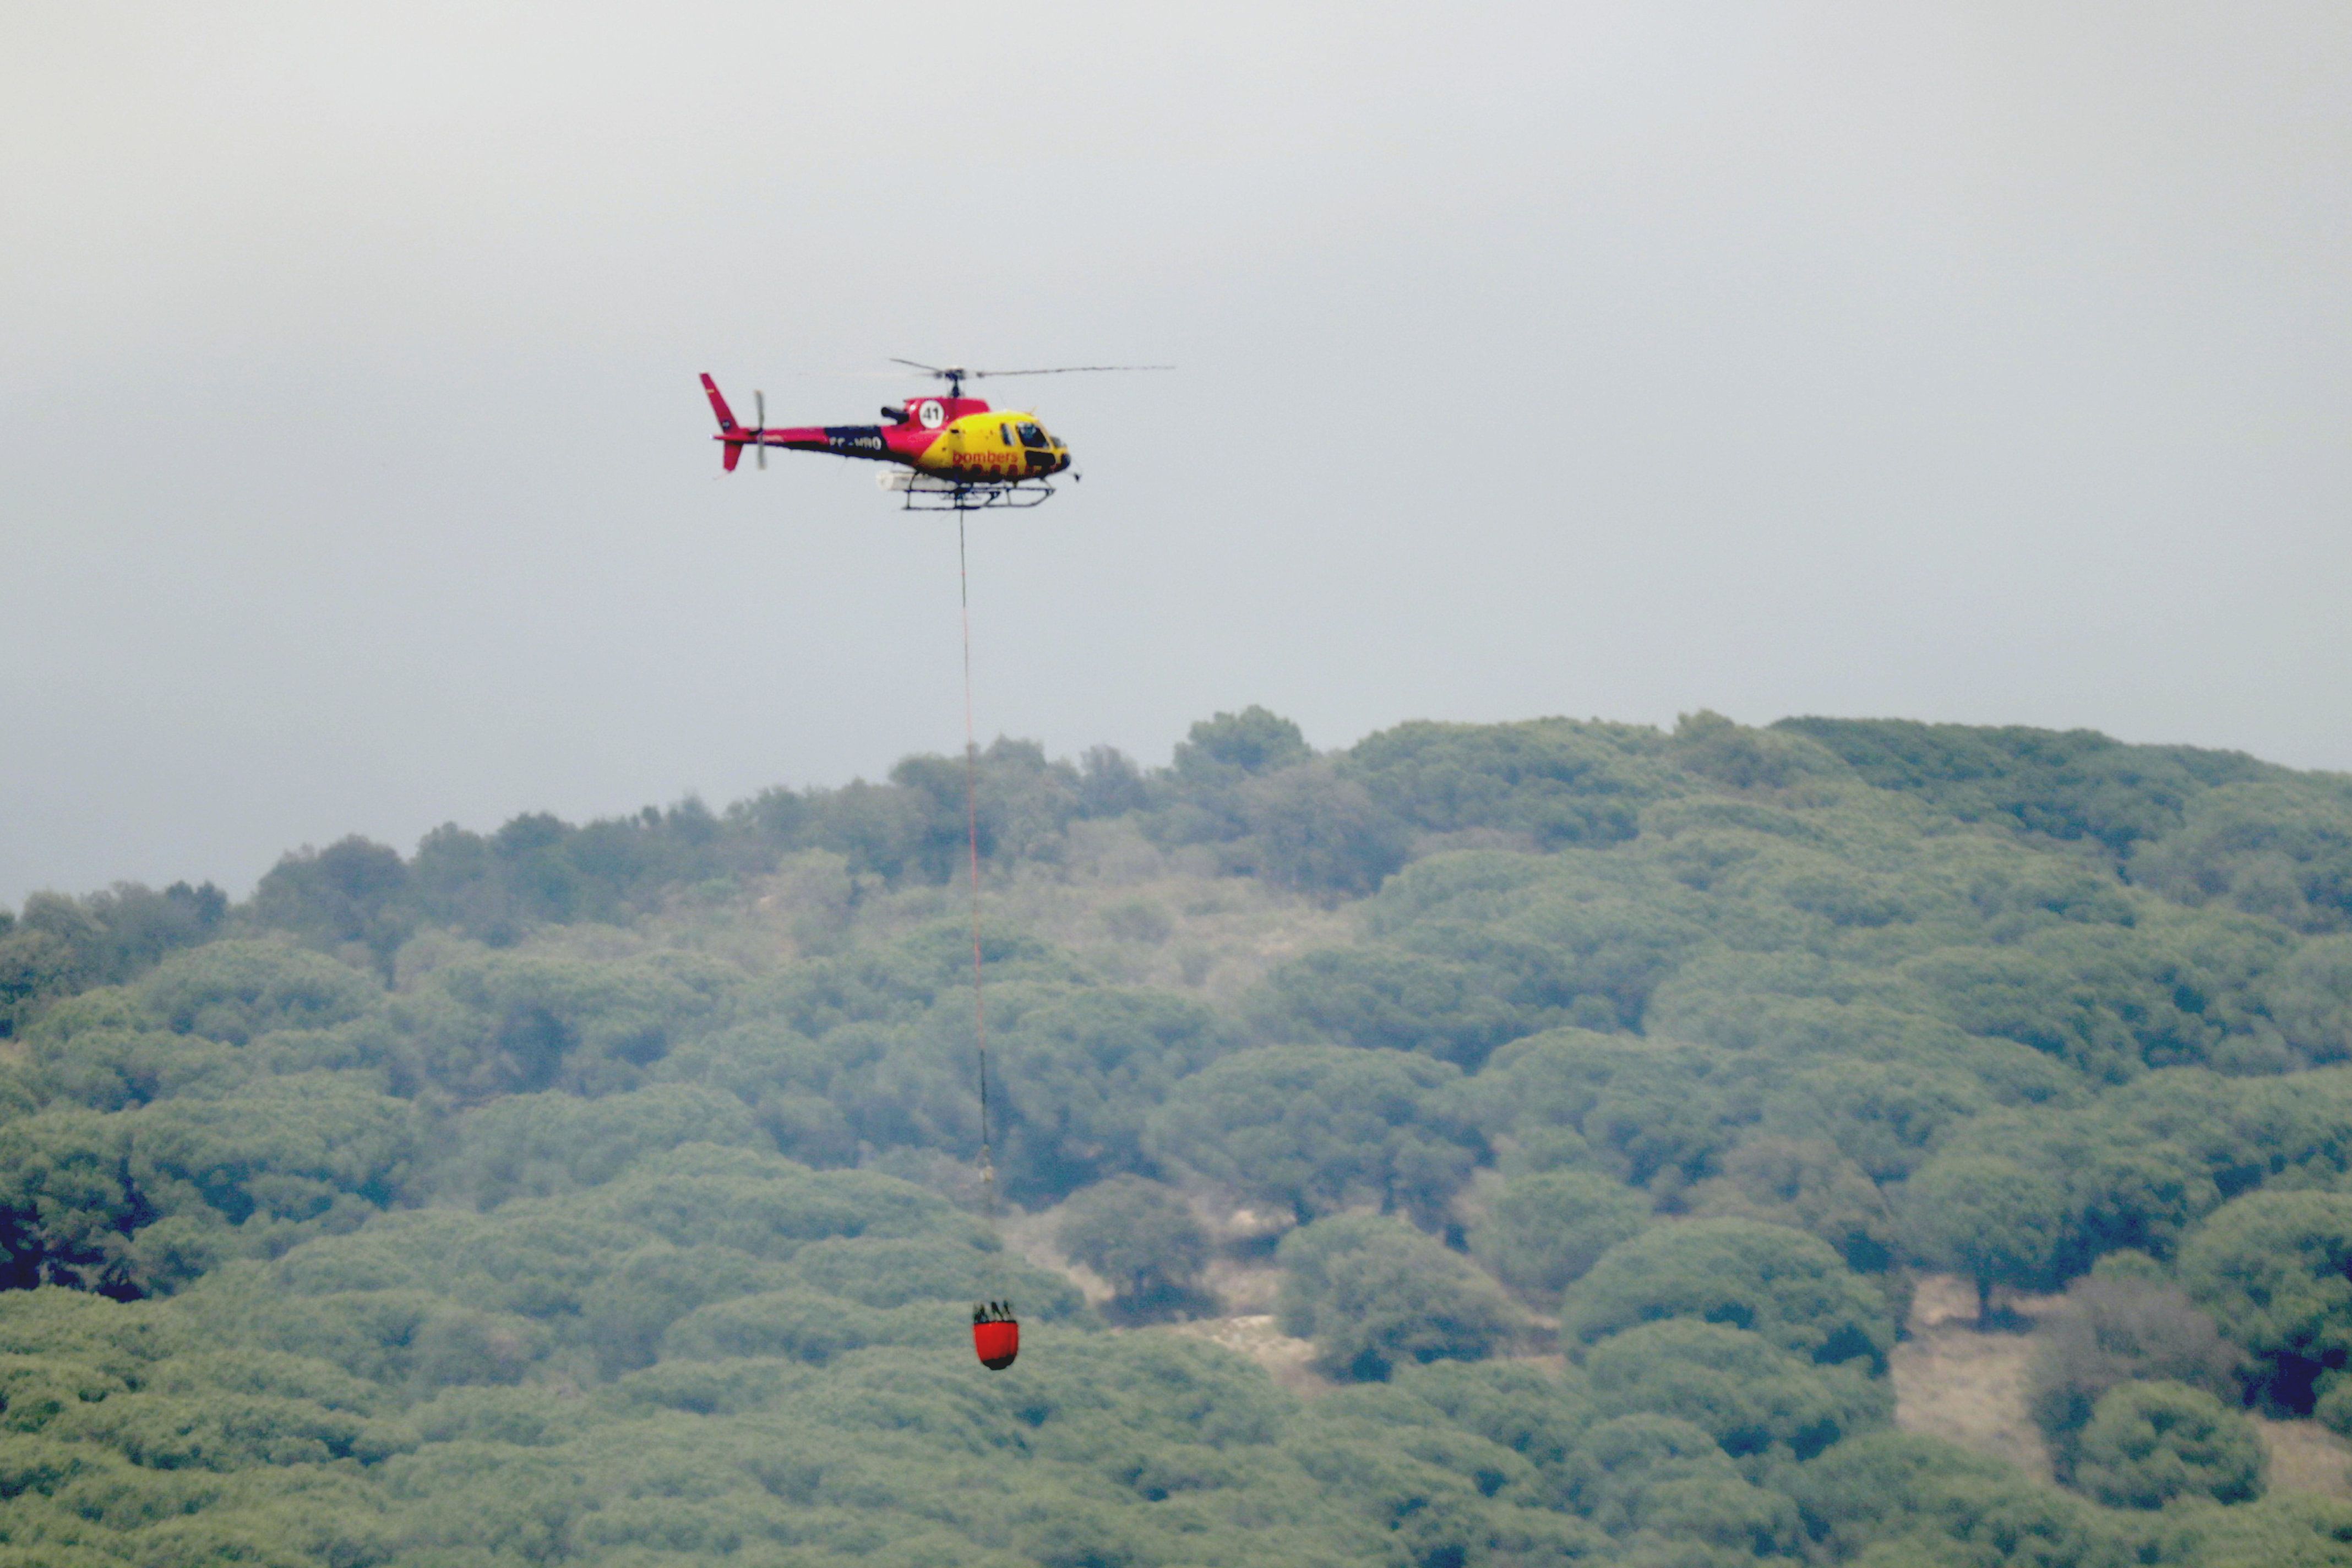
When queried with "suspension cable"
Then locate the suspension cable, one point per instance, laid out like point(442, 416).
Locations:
point(971, 834)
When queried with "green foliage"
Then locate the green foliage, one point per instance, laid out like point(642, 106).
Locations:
point(56, 945)
point(2275, 1271)
point(1652, 1113)
point(1544, 1230)
point(148, 1200)
point(1314, 1129)
point(1744, 1391)
point(2310, 997)
point(2292, 1529)
point(535, 1197)
point(1779, 1283)
point(1386, 1000)
point(1374, 1294)
point(1990, 1219)
point(1886, 1117)
point(1580, 930)
point(1230, 745)
point(352, 893)
point(1553, 781)
point(1806, 1185)
point(2071, 784)
point(2276, 847)
point(515, 1024)
point(1142, 1237)
point(234, 991)
point(2149, 1443)
point(1900, 1498)
point(1313, 830)
point(534, 1145)
point(1658, 1483)
point(1082, 1072)
point(786, 1079)
point(2114, 1331)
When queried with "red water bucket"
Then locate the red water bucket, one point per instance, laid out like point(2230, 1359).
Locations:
point(996, 1343)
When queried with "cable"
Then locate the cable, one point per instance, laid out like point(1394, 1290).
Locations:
point(972, 832)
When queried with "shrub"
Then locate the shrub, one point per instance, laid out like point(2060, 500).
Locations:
point(2112, 1331)
point(2149, 1443)
point(1743, 1390)
point(1374, 1292)
point(1142, 1237)
point(1782, 1284)
point(1545, 1230)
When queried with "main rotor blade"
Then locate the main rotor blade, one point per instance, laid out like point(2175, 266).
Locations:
point(1059, 370)
point(919, 364)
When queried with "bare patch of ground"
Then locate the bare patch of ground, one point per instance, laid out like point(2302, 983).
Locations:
point(1954, 1382)
point(2306, 1458)
point(1243, 1289)
point(1967, 1387)
point(1257, 1337)
point(1032, 1237)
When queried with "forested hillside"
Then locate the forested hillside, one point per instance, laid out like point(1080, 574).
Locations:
point(604, 1193)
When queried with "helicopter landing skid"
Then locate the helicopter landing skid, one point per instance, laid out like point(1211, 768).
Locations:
point(925, 492)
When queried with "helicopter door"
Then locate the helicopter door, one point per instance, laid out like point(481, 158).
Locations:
point(1037, 452)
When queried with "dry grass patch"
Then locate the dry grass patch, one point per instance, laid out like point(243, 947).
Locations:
point(1953, 1382)
point(1258, 1337)
point(2306, 1458)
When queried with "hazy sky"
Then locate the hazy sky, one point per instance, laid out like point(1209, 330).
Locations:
point(1969, 362)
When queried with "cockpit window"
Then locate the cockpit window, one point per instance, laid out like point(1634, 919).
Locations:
point(1005, 431)
point(1031, 436)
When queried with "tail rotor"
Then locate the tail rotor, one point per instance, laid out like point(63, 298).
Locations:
point(735, 437)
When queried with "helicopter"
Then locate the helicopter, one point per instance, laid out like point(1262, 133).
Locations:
point(948, 452)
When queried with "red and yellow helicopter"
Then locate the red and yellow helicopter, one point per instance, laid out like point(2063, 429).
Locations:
point(950, 453)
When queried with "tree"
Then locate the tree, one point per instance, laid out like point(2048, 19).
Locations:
point(2149, 1443)
point(1746, 1392)
point(2310, 995)
point(1318, 832)
point(1789, 1287)
point(352, 891)
point(1387, 1000)
point(1081, 1073)
point(1888, 1117)
point(59, 945)
point(1142, 1237)
point(1554, 781)
point(2111, 1332)
point(1990, 1220)
point(1662, 1482)
point(1373, 1294)
point(1544, 1230)
point(2275, 1271)
point(1903, 1500)
point(529, 1145)
point(2280, 847)
point(1314, 1129)
point(1253, 740)
point(236, 991)
point(1807, 1184)
point(2074, 783)
point(1707, 743)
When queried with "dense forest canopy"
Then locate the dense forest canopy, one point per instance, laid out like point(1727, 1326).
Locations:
point(603, 1194)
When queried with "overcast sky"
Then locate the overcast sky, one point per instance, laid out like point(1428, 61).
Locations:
point(1970, 361)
